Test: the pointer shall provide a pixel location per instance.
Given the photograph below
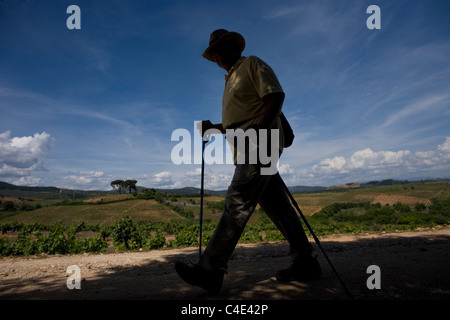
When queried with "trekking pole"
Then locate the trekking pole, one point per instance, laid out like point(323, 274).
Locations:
point(204, 141)
point(316, 239)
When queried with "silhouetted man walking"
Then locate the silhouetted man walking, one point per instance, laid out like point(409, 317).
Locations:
point(252, 100)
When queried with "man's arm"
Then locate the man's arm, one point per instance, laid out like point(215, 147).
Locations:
point(206, 125)
point(272, 104)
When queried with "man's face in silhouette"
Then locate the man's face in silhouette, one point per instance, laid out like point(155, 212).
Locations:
point(226, 54)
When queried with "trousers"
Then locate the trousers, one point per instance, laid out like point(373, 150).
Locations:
point(247, 189)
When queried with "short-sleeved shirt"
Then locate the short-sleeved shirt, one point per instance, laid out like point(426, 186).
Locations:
point(248, 81)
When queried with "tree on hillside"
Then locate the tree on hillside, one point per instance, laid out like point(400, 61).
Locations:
point(130, 184)
point(117, 185)
point(127, 185)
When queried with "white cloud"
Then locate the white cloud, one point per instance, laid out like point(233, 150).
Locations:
point(164, 179)
point(445, 147)
point(368, 164)
point(194, 173)
point(164, 176)
point(86, 180)
point(436, 158)
point(365, 159)
point(21, 156)
point(330, 165)
point(285, 169)
point(218, 181)
point(27, 181)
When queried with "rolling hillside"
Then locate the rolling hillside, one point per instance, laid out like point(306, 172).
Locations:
point(50, 204)
point(7, 189)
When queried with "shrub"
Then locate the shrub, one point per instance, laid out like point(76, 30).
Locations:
point(155, 242)
point(251, 236)
point(274, 235)
point(105, 232)
point(27, 207)
point(186, 237)
point(441, 207)
point(94, 244)
point(8, 206)
point(23, 245)
point(206, 236)
point(56, 242)
point(420, 207)
point(219, 206)
point(4, 247)
point(125, 235)
point(402, 207)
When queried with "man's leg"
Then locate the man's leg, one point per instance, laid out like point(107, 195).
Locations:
point(243, 194)
point(276, 204)
point(242, 197)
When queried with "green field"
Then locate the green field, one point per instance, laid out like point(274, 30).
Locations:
point(410, 193)
point(154, 219)
point(102, 214)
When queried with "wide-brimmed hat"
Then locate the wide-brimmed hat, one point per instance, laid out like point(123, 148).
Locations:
point(220, 36)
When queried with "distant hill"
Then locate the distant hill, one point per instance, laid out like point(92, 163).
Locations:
point(387, 182)
point(355, 185)
point(191, 191)
point(300, 189)
point(196, 191)
point(345, 186)
point(8, 186)
point(7, 189)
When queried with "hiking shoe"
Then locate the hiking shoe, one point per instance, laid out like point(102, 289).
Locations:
point(197, 276)
point(300, 270)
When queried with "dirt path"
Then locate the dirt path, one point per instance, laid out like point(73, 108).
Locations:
point(413, 265)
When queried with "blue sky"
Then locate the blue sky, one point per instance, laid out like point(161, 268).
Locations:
point(80, 108)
